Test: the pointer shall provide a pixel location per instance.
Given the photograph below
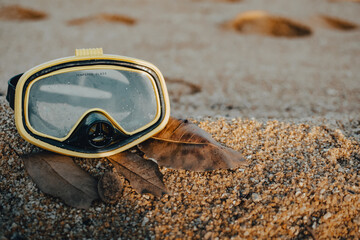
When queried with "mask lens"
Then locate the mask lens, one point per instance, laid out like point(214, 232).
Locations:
point(58, 102)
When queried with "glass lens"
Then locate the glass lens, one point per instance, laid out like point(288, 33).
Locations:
point(56, 103)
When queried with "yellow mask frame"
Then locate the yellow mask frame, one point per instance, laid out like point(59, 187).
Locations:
point(84, 59)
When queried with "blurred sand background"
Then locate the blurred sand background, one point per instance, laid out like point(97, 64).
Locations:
point(301, 94)
point(247, 75)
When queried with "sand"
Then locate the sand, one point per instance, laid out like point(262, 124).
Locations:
point(290, 104)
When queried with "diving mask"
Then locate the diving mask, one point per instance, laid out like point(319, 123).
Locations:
point(89, 105)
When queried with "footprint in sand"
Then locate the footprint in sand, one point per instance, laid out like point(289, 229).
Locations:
point(18, 13)
point(103, 18)
point(230, 1)
point(179, 87)
point(260, 22)
point(337, 23)
point(224, 1)
point(357, 1)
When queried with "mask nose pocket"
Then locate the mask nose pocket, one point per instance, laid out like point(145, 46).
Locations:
point(95, 131)
point(100, 134)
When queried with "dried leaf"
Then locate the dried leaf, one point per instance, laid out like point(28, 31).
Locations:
point(144, 175)
point(183, 145)
point(110, 187)
point(59, 176)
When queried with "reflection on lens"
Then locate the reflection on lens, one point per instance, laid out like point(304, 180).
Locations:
point(57, 102)
point(71, 90)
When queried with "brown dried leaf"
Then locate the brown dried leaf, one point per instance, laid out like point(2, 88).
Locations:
point(144, 175)
point(183, 145)
point(59, 176)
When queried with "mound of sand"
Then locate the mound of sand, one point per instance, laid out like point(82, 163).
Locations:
point(303, 181)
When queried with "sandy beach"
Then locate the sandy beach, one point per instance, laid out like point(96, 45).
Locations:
point(276, 80)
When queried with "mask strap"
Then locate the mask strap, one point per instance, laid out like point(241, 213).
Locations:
point(10, 97)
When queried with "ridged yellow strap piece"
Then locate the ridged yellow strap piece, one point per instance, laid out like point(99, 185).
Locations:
point(89, 52)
